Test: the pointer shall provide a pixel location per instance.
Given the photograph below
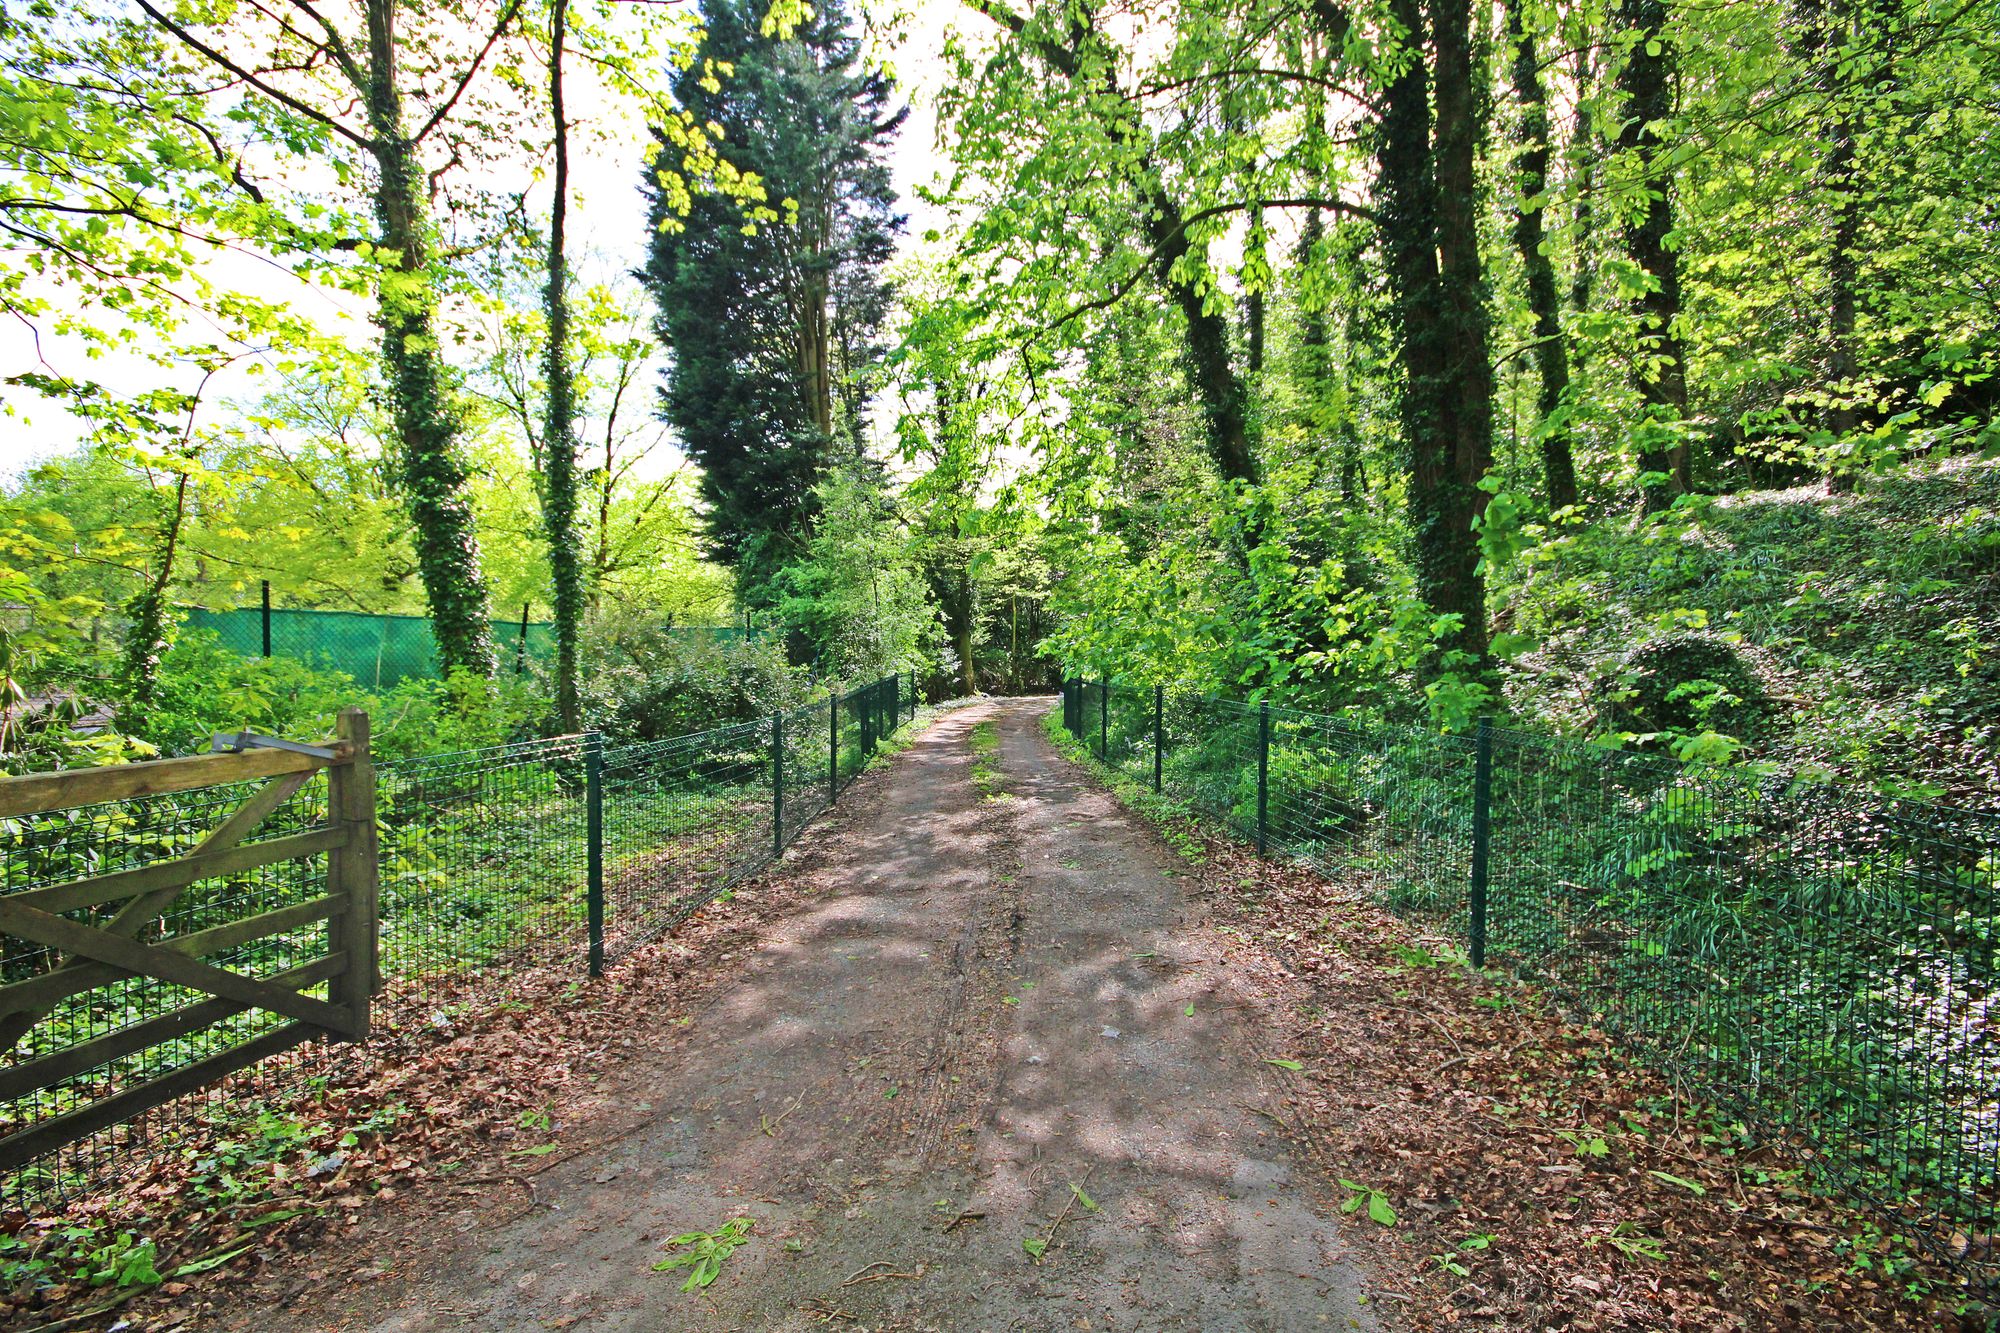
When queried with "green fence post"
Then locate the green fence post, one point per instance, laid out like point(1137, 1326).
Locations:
point(777, 785)
point(1103, 718)
point(593, 788)
point(895, 702)
point(1263, 778)
point(1159, 730)
point(267, 617)
point(1482, 831)
point(832, 747)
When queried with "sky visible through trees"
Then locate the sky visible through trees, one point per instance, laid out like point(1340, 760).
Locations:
point(1364, 357)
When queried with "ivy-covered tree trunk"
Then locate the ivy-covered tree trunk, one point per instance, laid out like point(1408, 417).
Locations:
point(1551, 352)
point(146, 640)
point(426, 418)
point(1437, 302)
point(1466, 336)
point(559, 497)
point(1647, 81)
point(1225, 400)
point(1253, 315)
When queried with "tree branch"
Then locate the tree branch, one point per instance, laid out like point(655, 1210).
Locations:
point(1118, 293)
point(1252, 71)
point(277, 95)
point(335, 44)
point(506, 21)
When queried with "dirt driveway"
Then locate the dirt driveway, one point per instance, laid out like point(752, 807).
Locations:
point(989, 1024)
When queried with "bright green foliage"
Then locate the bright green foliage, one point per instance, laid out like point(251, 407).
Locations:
point(702, 1252)
point(856, 598)
point(1367, 1197)
point(1245, 355)
point(1779, 188)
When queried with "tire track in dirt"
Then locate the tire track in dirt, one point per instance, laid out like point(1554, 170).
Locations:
point(953, 1093)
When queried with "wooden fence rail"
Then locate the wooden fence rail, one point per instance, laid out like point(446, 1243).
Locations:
point(107, 929)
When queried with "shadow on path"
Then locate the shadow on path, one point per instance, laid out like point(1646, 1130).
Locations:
point(979, 1016)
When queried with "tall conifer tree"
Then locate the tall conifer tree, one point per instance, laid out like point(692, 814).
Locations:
point(774, 325)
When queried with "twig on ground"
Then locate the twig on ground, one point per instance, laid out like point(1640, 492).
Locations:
point(1440, 1027)
point(827, 1311)
point(76, 1321)
point(1270, 1116)
point(1068, 1207)
point(861, 1275)
point(770, 1127)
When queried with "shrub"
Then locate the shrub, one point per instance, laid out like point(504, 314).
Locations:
point(1688, 683)
point(643, 684)
point(205, 688)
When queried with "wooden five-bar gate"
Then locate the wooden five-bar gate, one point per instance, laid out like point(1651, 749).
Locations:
point(164, 974)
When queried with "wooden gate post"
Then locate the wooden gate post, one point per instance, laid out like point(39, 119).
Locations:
point(353, 873)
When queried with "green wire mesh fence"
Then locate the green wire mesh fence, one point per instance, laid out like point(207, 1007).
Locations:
point(564, 854)
point(1817, 960)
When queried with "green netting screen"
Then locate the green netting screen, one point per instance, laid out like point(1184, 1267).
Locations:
point(381, 651)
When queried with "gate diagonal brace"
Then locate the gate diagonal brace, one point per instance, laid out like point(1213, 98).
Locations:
point(168, 965)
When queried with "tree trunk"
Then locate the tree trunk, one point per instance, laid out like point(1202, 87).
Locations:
point(957, 597)
point(1225, 401)
point(963, 639)
point(426, 419)
point(1253, 316)
point(1315, 361)
point(601, 563)
point(1430, 237)
point(559, 498)
point(1647, 81)
point(146, 641)
point(815, 291)
point(1833, 32)
point(1014, 648)
point(813, 354)
point(1583, 179)
point(1467, 333)
point(1551, 352)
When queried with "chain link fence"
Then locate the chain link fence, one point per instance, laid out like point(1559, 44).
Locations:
point(1817, 960)
point(563, 854)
